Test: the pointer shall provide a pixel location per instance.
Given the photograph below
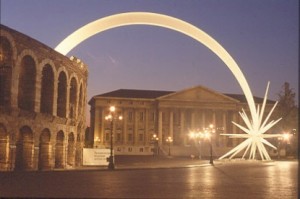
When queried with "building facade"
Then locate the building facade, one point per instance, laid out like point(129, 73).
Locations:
point(161, 114)
point(42, 105)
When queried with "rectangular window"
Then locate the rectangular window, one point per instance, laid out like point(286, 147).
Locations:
point(176, 118)
point(107, 137)
point(118, 139)
point(141, 116)
point(130, 116)
point(141, 137)
point(163, 115)
point(130, 137)
point(106, 134)
point(152, 116)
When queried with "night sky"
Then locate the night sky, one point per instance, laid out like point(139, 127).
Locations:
point(262, 37)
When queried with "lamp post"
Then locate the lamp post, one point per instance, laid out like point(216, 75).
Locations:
point(205, 134)
point(111, 117)
point(208, 134)
point(197, 136)
point(155, 143)
point(169, 140)
point(284, 139)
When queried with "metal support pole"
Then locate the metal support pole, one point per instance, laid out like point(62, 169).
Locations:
point(211, 161)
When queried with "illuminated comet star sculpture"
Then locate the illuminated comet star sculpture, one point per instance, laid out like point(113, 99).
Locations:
point(255, 133)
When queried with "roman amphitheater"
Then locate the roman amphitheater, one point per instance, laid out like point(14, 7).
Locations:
point(42, 105)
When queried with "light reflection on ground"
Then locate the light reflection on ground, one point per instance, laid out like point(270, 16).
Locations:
point(225, 180)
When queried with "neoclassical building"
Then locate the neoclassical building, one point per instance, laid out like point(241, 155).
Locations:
point(42, 105)
point(167, 114)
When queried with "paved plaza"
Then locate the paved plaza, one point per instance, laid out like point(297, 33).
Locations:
point(156, 177)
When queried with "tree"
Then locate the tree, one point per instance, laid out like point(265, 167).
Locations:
point(288, 111)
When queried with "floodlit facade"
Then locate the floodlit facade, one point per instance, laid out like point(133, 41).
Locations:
point(151, 117)
point(42, 105)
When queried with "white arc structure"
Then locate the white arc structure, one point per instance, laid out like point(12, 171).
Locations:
point(165, 21)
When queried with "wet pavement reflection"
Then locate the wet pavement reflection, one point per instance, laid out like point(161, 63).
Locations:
point(245, 179)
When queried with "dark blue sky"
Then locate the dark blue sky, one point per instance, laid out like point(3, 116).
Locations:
point(262, 37)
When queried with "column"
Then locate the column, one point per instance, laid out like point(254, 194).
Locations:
point(214, 140)
point(160, 127)
point(192, 120)
point(234, 117)
point(225, 129)
point(68, 100)
point(182, 137)
point(135, 130)
point(125, 119)
point(214, 118)
point(96, 126)
point(171, 124)
point(101, 134)
point(146, 138)
point(38, 85)
point(203, 118)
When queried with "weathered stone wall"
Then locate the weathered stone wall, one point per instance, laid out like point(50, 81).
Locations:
point(32, 139)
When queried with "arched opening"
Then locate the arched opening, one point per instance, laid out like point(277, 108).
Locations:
point(62, 95)
point(47, 91)
point(6, 62)
point(45, 155)
point(24, 149)
point(71, 149)
point(59, 150)
point(80, 106)
point(87, 138)
point(73, 97)
point(4, 148)
point(27, 84)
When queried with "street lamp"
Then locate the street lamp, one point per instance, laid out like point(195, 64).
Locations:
point(155, 143)
point(284, 139)
point(111, 117)
point(97, 141)
point(205, 134)
point(196, 135)
point(208, 135)
point(169, 140)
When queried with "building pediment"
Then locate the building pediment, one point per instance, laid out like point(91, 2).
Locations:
point(199, 94)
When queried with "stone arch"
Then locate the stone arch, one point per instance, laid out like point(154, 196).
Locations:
point(26, 91)
point(62, 95)
point(48, 61)
point(59, 150)
point(165, 21)
point(24, 149)
point(71, 149)
point(47, 90)
point(4, 148)
point(73, 97)
point(12, 42)
point(6, 65)
point(45, 152)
